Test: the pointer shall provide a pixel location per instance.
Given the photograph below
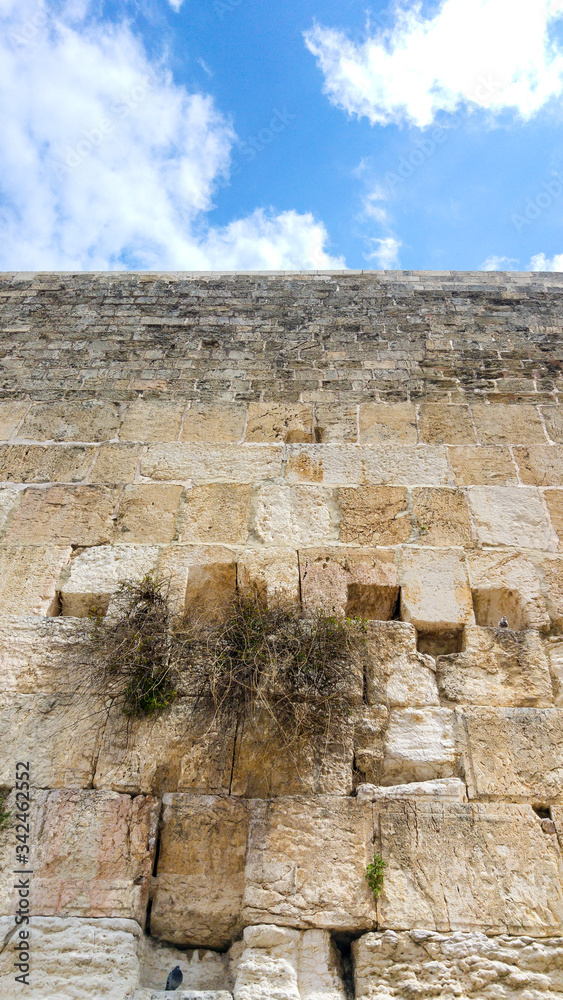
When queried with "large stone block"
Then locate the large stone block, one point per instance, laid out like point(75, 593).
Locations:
point(373, 515)
point(210, 463)
point(92, 854)
point(505, 423)
point(506, 585)
point(148, 513)
point(84, 420)
point(74, 958)
point(277, 422)
point(555, 657)
point(64, 515)
point(45, 655)
point(116, 463)
point(423, 963)
point(513, 753)
point(439, 423)
point(29, 463)
point(336, 424)
point(554, 501)
point(382, 423)
point(280, 963)
point(497, 667)
point(394, 673)
point(306, 863)
point(96, 573)
point(201, 969)
point(435, 594)
point(483, 466)
point(29, 578)
point(152, 420)
point(462, 867)
point(294, 515)
point(510, 515)
point(420, 745)
point(10, 498)
point(216, 513)
point(441, 517)
point(213, 423)
point(271, 572)
point(12, 413)
point(540, 464)
point(351, 582)
point(199, 885)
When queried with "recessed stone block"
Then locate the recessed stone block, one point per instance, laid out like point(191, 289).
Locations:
point(96, 573)
point(350, 582)
point(506, 585)
point(272, 573)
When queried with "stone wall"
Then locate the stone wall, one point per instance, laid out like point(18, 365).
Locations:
point(383, 445)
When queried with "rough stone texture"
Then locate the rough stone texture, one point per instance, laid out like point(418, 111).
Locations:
point(439, 424)
point(202, 970)
point(485, 466)
point(464, 964)
point(504, 584)
point(420, 745)
point(372, 515)
point(63, 515)
point(30, 576)
point(96, 573)
point(286, 964)
point(350, 582)
point(435, 592)
point(510, 516)
point(442, 518)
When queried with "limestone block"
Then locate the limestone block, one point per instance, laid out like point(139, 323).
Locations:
point(540, 464)
point(510, 515)
point(267, 764)
point(64, 515)
point(115, 463)
point(216, 513)
point(280, 963)
point(441, 517)
point(483, 466)
point(202, 970)
point(30, 463)
point(42, 655)
point(148, 513)
point(306, 863)
point(496, 667)
point(152, 420)
point(469, 866)
point(551, 570)
point(29, 578)
point(420, 745)
point(279, 422)
point(504, 584)
point(212, 423)
point(10, 497)
point(394, 671)
point(12, 413)
point(181, 994)
point(440, 423)
point(74, 958)
point(373, 515)
point(554, 501)
point(199, 577)
point(451, 789)
point(92, 854)
point(350, 582)
point(381, 423)
point(272, 572)
point(84, 420)
point(435, 594)
point(463, 964)
point(174, 751)
point(553, 418)
point(336, 423)
point(370, 726)
point(199, 886)
point(293, 515)
point(59, 734)
point(506, 423)
point(208, 463)
point(385, 465)
point(514, 753)
point(96, 573)
point(555, 656)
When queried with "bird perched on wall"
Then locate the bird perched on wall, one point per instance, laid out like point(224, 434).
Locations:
point(503, 623)
point(175, 979)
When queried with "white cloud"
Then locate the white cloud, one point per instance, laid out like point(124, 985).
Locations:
point(176, 4)
point(385, 254)
point(491, 54)
point(540, 262)
point(494, 263)
point(106, 163)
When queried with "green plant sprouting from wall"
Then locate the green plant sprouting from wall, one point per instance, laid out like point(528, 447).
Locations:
point(374, 874)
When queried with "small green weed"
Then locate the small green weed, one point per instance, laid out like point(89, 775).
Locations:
point(374, 874)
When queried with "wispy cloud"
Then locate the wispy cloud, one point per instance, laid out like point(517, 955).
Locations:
point(176, 4)
point(490, 54)
point(385, 253)
point(540, 262)
point(494, 263)
point(106, 163)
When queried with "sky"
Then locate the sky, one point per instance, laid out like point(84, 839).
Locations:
point(242, 135)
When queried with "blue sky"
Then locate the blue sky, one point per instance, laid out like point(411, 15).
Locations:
point(235, 134)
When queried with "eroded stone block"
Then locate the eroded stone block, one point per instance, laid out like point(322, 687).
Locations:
point(202, 970)
point(506, 423)
point(271, 572)
point(294, 515)
point(435, 594)
point(29, 463)
point(420, 745)
point(214, 422)
point(394, 672)
point(216, 513)
point(209, 463)
point(279, 422)
point(96, 573)
point(437, 789)
point(387, 422)
point(350, 582)
point(29, 578)
point(148, 513)
point(506, 515)
point(286, 964)
point(64, 515)
point(483, 466)
point(84, 420)
point(373, 515)
point(152, 420)
point(505, 584)
point(441, 517)
point(45, 655)
point(439, 423)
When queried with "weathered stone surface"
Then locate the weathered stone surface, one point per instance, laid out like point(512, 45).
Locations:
point(115, 463)
point(214, 422)
point(343, 465)
point(382, 423)
point(199, 885)
point(554, 501)
point(152, 420)
point(350, 582)
point(29, 578)
point(42, 655)
point(550, 568)
point(499, 667)
point(92, 854)
point(420, 745)
point(271, 572)
point(12, 413)
point(74, 958)
point(64, 515)
point(504, 584)
point(393, 670)
point(306, 863)
point(442, 424)
point(461, 867)
point(29, 463)
point(10, 498)
point(514, 753)
point(96, 573)
point(437, 788)
point(370, 727)
point(508, 424)
point(209, 463)
point(464, 964)
point(553, 419)
point(273, 422)
point(435, 592)
point(148, 514)
point(373, 515)
point(293, 515)
point(87, 420)
point(199, 577)
point(441, 517)
point(507, 515)
point(336, 423)
point(555, 657)
point(280, 963)
point(216, 513)
point(202, 970)
point(540, 465)
point(483, 466)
